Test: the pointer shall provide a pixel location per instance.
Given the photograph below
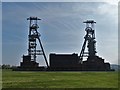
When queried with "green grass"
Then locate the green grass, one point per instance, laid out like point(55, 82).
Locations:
point(23, 79)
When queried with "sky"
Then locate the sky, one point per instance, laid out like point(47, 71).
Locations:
point(0, 33)
point(61, 28)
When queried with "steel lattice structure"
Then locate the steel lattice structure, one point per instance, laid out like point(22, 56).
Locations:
point(33, 36)
point(89, 41)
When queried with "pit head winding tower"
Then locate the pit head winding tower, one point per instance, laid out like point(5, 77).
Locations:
point(89, 41)
point(29, 61)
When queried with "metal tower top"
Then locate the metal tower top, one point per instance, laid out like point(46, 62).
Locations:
point(90, 23)
point(33, 18)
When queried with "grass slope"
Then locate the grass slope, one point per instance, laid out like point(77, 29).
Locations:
point(21, 79)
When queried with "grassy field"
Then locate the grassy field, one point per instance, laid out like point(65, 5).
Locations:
point(22, 79)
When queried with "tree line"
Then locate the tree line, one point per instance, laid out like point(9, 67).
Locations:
point(7, 66)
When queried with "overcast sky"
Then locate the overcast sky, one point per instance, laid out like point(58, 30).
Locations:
point(61, 28)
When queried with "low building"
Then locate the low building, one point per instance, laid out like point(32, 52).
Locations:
point(64, 62)
point(70, 62)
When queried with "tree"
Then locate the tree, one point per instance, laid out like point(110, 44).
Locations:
point(6, 66)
